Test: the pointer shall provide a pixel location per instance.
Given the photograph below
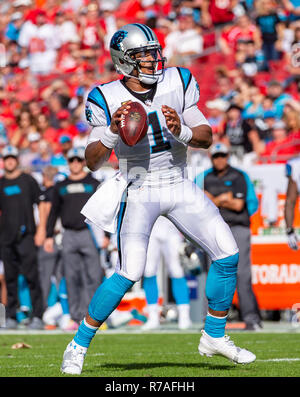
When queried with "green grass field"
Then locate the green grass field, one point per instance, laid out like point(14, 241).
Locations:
point(150, 355)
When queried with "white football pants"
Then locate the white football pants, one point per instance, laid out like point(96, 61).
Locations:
point(186, 206)
point(164, 242)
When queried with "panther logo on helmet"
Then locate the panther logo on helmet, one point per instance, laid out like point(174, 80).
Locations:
point(117, 39)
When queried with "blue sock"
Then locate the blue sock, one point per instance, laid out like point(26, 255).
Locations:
point(53, 295)
point(85, 334)
point(215, 326)
point(220, 287)
point(221, 283)
point(180, 290)
point(63, 296)
point(108, 296)
point(151, 289)
point(24, 293)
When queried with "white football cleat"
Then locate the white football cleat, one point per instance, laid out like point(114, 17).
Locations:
point(184, 324)
point(153, 321)
point(225, 347)
point(73, 359)
point(184, 320)
point(150, 325)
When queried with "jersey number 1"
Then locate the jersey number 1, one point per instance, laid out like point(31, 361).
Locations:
point(161, 143)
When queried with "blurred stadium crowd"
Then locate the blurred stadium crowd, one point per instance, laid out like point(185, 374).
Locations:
point(244, 54)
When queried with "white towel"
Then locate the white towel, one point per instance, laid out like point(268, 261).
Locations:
point(103, 206)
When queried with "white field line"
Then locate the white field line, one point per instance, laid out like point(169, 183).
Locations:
point(140, 354)
point(279, 360)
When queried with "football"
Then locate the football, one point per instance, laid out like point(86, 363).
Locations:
point(133, 126)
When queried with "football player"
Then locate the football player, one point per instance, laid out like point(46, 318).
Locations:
point(154, 172)
point(293, 189)
point(164, 243)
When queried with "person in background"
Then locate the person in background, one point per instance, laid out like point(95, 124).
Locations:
point(236, 132)
point(12, 30)
point(279, 149)
point(271, 28)
point(184, 44)
point(81, 263)
point(43, 158)
point(293, 189)
point(19, 236)
point(28, 155)
point(59, 160)
point(233, 193)
point(280, 98)
point(65, 124)
point(216, 109)
point(47, 260)
point(47, 132)
point(81, 139)
point(3, 290)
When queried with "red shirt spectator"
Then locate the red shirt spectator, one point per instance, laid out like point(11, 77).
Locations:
point(281, 148)
point(279, 152)
point(217, 12)
point(243, 30)
point(47, 132)
point(91, 28)
point(162, 8)
point(130, 10)
point(221, 11)
point(65, 126)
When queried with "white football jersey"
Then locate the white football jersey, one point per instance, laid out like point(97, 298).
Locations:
point(293, 170)
point(161, 156)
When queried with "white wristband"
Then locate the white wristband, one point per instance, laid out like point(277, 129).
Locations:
point(185, 135)
point(108, 138)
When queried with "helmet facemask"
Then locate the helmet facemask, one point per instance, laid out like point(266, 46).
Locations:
point(148, 61)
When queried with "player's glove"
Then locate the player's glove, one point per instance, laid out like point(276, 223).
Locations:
point(292, 238)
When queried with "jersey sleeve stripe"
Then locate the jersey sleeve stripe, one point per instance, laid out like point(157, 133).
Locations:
point(95, 103)
point(288, 170)
point(186, 77)
point(97, 98)
point(251, 198)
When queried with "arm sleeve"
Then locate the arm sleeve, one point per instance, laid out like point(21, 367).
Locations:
point(97, 114)
point(97, 111)
point(251, 197)
point(191, 91)
point(239, 188)
point(54, 212)
point(193, 117)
